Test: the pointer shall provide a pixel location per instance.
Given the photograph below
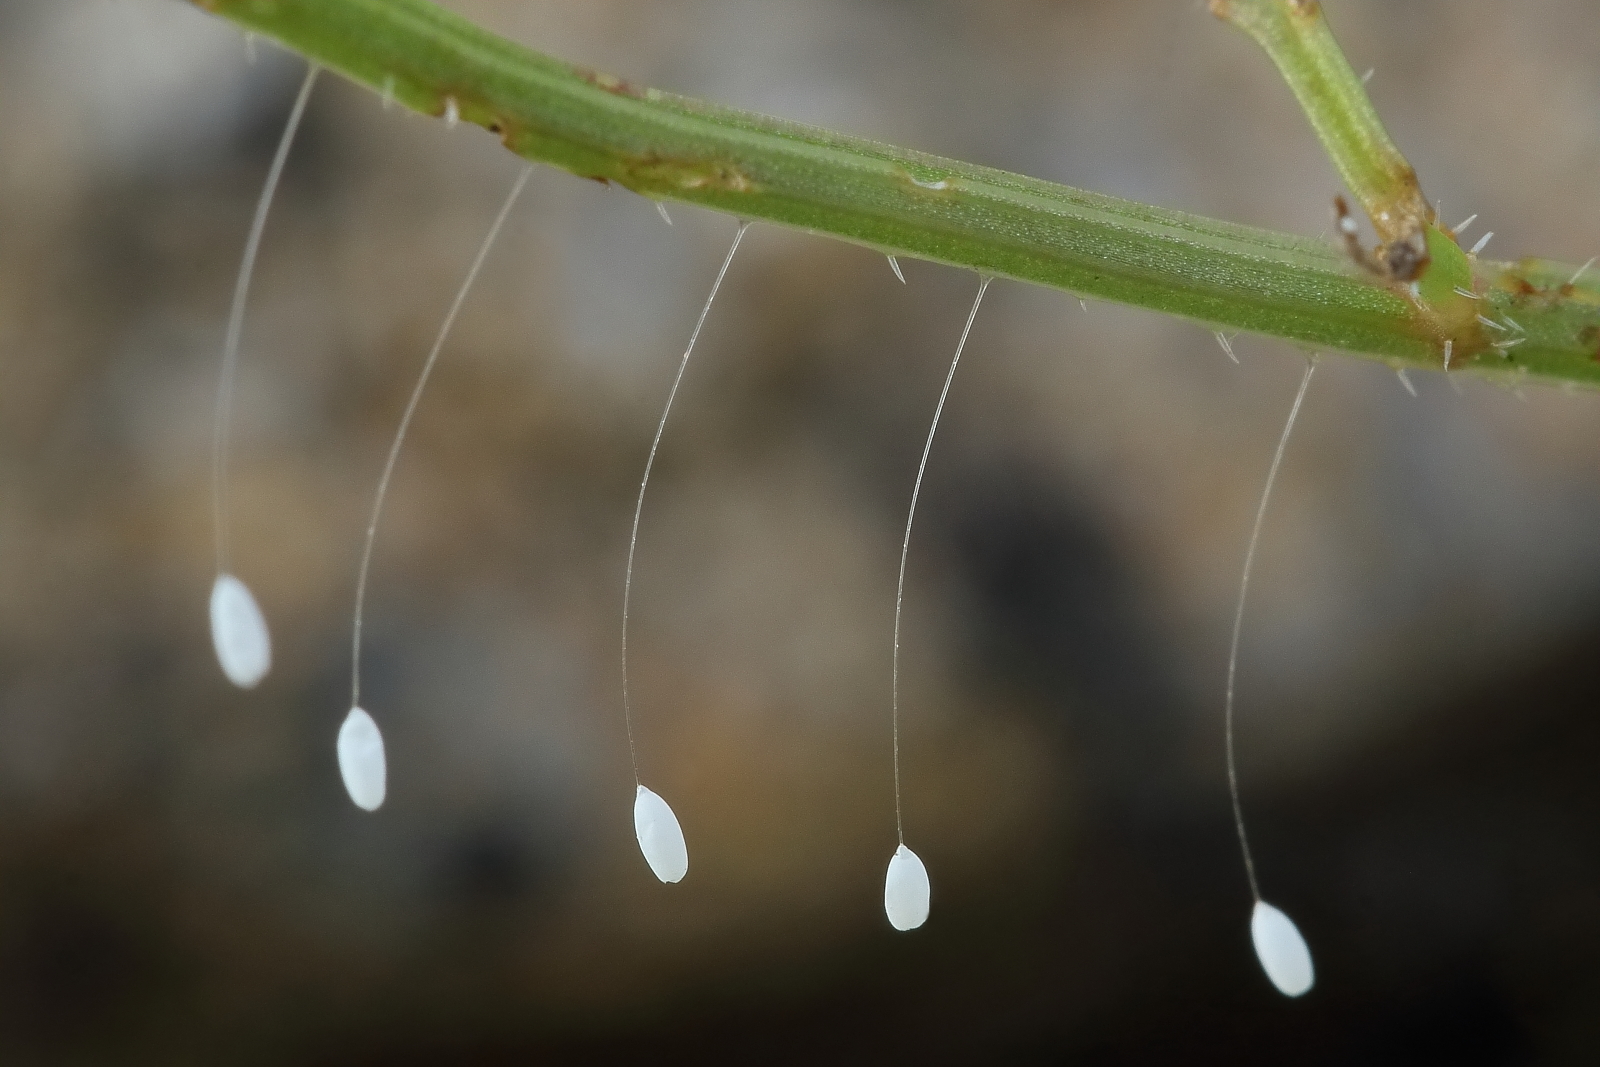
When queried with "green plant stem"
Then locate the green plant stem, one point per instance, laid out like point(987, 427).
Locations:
point(1296, 37)
point(907, 203)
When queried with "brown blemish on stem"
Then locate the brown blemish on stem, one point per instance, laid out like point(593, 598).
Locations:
point(1525, 292)
point(659, 176)
point(446, 98)
point(508, 131)
point(609, 82)
point(685, 175)
point(1589, 337)
point(650, 175)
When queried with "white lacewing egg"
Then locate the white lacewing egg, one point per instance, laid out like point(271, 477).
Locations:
point(1281, 950)
point(660, 836)
point(905, 890)
point(361, 762)
point(239, 632)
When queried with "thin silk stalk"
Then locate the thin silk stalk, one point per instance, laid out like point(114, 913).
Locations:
point(1238, 624)
point(905, 548)
point(230, 344)
point(638, 505)
point(405, 424)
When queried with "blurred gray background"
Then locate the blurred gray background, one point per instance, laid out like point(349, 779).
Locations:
point(181, 877)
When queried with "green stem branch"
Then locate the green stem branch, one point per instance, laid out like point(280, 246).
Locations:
point(908, 203)
point(1296, 37)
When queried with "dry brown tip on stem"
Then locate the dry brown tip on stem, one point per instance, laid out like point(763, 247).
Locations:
point(1402, 259)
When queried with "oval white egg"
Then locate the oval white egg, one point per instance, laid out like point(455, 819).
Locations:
point(239, 632)
point(361, 760)
point(1281, 950)
point(905, 890)
point(660, 836)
